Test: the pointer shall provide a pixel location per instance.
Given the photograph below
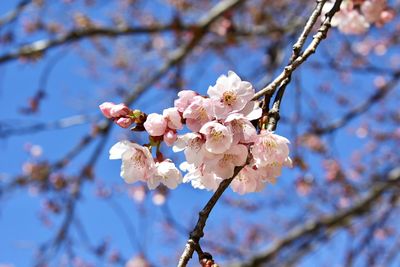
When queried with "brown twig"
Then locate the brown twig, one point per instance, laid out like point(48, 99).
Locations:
point(197, 232)
point(362, 108)
point(328, 223)
point(311, 48)
point(13, 15)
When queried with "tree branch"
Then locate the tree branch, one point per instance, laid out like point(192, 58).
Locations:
point(364, 107)
point(311, 48)
point(197, 232)
point(328, 223)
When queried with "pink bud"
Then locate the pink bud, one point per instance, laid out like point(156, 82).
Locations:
point(170, 137)
point(155, 124)
point(124, 122)
point(119, 110)
point(105, 108)
point(387, 16)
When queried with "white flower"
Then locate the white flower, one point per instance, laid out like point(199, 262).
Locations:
point(137, 161)
point(166, 174)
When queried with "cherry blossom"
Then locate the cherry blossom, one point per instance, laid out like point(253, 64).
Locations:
point(246, 181)
point(186, 97)
point(198, 113)
point(170, 137)
point(218, 137)
point(124, 122)
point(199, 178)
point(356, 17)
point(230, 94)
point(137, 161)
point(174, 120)
point(166, 174)
point(222, 136)
point(119, 110)
point(373, 9)
point(193, 146)
point(242, 129)
point(105, 108)
point(155, 124)
point(252, 110)
point(223, 166)
point(270, 148)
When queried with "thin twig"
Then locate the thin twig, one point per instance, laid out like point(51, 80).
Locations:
point(328, 223)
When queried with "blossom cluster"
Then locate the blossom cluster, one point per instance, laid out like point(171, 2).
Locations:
point(356, 16)
point(222, 139)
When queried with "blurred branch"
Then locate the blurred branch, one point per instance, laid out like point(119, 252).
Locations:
point(6, 131)
point(175, 57)
point(327, 224)
point(370, 234)
point(380, 93)
point(13, 15)
point(42, 46)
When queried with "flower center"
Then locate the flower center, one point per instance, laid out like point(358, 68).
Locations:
point(216, 135)
point(139, 158)
point(229, 98)
point(202, 115)
point(269, 144)
point(227, 158)
point(195, 144)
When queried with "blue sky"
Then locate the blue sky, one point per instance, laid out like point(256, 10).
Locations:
point(72, 91)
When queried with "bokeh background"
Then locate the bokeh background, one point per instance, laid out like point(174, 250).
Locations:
point(62, 202)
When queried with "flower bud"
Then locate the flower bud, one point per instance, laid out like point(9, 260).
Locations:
point(124, 122)
point(105, 108)
point(119, 110)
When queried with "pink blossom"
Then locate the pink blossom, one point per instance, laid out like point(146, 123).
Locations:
point(230, 94)
point(218, 137)
point(185, 99)
point(348, 20)
point(387, 16)
point(252, 110)
point(199, 178)
point(242, 129)
point(170, 137)
point(155, 124)
point(138, 261)
point(270, 148)
point(353, 23)
point(246, 181)
point(198, 113)
point(105, 108)
point(372, 9)
point(119, 110)
point(174, 120)
point(137, 161)
point(166, 174)
point(124, 122)
point(224, 165)
point(270, 172)
point(193, 145)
